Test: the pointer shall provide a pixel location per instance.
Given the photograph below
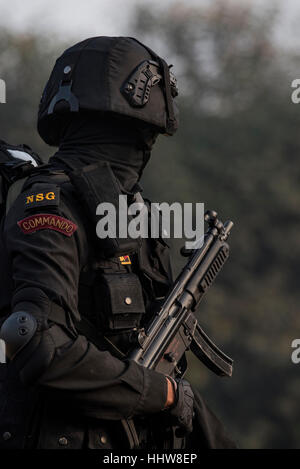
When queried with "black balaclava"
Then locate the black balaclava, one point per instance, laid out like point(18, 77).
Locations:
point(124, 143)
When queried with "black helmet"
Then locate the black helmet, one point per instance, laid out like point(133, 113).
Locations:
point(109, 74)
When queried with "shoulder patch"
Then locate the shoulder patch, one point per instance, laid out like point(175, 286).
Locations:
point(41, 198)
point(47, 221)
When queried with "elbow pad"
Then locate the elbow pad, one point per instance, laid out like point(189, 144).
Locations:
point(31, 345)
point(17, 331)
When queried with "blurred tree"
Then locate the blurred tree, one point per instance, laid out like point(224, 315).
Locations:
point(25, 64)
point(236, 151)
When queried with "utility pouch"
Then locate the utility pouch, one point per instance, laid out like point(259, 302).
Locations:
point(120, 302)
point(96, 184)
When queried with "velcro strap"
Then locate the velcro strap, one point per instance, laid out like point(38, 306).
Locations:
point(59, 316)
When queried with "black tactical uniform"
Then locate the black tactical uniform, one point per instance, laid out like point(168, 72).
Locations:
point(77, 299)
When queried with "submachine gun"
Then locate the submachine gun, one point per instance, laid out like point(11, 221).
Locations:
point(175, 329)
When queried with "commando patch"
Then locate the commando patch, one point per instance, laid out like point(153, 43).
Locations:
point(43, 221)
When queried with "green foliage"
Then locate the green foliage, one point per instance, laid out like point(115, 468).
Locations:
point(237, 151)
point(25, 65)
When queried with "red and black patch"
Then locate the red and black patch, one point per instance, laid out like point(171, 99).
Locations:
point(47, 221)
point(125, 260)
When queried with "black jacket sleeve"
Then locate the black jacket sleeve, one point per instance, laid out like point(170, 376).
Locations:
point(208, 432)
point(45, 265)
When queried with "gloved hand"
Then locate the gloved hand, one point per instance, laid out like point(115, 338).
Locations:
point(182, 410)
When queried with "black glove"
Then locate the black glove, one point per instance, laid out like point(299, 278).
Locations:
point(182, 410)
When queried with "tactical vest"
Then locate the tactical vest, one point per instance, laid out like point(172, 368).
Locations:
point(119, 292)
point(120, 295)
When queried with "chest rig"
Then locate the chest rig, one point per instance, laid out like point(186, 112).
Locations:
point(118, 296)
point(125, 279)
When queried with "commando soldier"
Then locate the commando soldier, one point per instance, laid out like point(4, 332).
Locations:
point(71, 303)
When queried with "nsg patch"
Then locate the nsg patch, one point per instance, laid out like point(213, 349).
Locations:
point(48, 197)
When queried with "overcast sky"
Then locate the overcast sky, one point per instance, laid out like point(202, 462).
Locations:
point(80, 19)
